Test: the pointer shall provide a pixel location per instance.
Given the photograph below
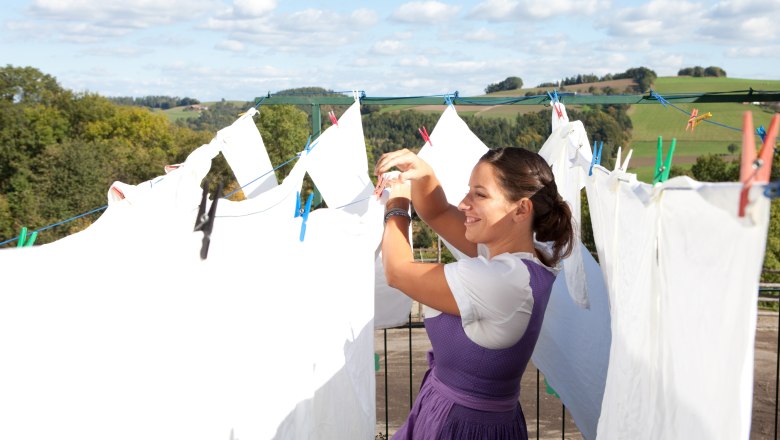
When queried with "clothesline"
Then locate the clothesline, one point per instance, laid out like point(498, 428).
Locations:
point(449, 97)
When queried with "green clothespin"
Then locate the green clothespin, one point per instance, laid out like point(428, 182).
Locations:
point(550, 389)
point(662, 167)
point(23, 241)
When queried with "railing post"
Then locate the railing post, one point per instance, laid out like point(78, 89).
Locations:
point(316, 120)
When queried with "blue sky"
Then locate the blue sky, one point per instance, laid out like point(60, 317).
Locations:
point(240, 49)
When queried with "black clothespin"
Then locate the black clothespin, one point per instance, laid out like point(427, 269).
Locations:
point(205, 221)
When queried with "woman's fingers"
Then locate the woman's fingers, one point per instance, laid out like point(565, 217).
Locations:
point(401, 159)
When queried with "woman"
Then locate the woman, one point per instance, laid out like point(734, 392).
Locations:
point(483, 313)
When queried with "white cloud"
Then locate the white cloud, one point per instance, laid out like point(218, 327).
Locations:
point(753, 51)
point(480, 34)
point(120, 13)
point(230, 45)
point(527, 10)
point(425, 12)
point(388, 47)
point(120, 51)
point(418, 61)
point(308, 29)
point(253, 8)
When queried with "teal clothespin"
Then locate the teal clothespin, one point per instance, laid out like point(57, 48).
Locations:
point(662, 167)
point(550, 389)
point(23, 241)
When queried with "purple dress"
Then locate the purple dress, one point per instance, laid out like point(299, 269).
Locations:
point(472, 392)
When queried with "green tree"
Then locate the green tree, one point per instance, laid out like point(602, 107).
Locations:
point(284, 129)
point(511, 83)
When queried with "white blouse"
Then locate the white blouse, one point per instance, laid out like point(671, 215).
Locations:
point(493, 295)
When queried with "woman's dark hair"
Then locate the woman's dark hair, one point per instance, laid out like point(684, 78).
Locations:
point(523, 173)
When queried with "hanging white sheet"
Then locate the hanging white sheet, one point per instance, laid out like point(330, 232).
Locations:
point(130, 335)
point(682, 271)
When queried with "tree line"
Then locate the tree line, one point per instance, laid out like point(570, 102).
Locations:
point(699, 71)
point(161, 102)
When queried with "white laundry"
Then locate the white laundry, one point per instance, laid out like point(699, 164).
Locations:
point(243, 148)
point(270, 337)
point(682, 305)
point(567, 142)
point(453, 152)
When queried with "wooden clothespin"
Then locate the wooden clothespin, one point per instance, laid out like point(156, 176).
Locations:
point(662, 167)
point(755, 168)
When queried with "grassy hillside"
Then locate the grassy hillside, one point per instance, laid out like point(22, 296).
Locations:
point(651, 121)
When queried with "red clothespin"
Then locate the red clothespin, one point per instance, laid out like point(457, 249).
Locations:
point(380, 186)
point(557, 107)
point(118, 193)
point(755, 168)
point(333, 119)
point(424, 134)
point(169, 168)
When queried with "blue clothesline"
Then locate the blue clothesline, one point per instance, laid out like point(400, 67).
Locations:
point(448, 99)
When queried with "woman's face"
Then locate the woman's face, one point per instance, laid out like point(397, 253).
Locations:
point(487, 210)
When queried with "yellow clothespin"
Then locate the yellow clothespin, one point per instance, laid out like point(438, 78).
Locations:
point(696, 119)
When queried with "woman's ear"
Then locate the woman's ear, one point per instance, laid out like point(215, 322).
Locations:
point(524, 209)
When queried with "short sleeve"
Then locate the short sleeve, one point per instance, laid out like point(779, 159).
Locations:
point(494, 298)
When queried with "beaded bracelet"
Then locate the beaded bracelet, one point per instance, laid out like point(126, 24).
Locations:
point(399, 212)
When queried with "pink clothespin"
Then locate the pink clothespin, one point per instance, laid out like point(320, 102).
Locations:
point(755, 168)
point(424, 133)
point(118, 193)
point(333, 119)
point(557, 107)
point(692, 119)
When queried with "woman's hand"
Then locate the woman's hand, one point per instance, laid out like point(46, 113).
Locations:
point(410, 165)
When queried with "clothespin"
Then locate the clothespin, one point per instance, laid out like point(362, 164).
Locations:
point(761, 132)
point(23, 241)
point(624, 165)
point(205, 221)
point(333, 119)
point(659, 98)
point(118, 194)
point(448, 100)
point(553, 96)
point(383, 181)
point(596, 160)
point(662, 167)
point(308, 146)
point(424, 133)
point(755, 168)
point(772, 190)
point(696, 119)
point(304, 213)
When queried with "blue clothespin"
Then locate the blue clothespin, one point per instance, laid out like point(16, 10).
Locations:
point(448, 100)
point(553, 96)
point(658, 98)
point(761, 132)
point(305, 215)
point(596, 160)
point(662, 167)
point(308, 146)
point(772, 189)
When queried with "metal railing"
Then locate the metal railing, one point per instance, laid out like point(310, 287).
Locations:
point(768, 294)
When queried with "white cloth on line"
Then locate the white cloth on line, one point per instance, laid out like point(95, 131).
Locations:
point(452, 154)
point(338, 166)
point(158, 344)
point(683, 305)
point(567, 141)
point(245, 153)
